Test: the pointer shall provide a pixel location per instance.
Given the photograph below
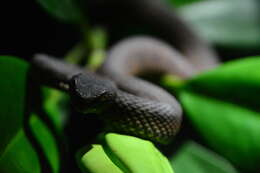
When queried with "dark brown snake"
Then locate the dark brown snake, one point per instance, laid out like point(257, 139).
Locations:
point(131, 105)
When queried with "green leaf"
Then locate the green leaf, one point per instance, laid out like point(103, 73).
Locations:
point(66, 10)
point(223, 105)
point(12, 91)
point(237, 82)
point(231, 23)
point(122, 153)
point(20, 156)
point(46, 141)
point(98, 42)
point(197, 159)
point(180, 3)
point(56, 104)
point(134, 155)
point(96, 161)
point(17, 154)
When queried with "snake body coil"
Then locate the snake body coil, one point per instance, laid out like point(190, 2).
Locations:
point(132, 106)
point(128, 113)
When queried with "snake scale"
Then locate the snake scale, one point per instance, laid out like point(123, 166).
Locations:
point(126, 103)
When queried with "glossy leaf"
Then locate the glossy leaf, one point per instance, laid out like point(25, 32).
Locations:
point(232, 23)
point(122, 153)
point(17, 154)
point(196, 159)
point(237, 82)
point(96, 161)
point(134, 155)
point(66, 10)
point(223, 106)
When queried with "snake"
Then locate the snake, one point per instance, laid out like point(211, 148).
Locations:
point(127, 103)
point(155, 116)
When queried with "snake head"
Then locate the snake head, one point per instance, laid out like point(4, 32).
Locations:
point(90, 93)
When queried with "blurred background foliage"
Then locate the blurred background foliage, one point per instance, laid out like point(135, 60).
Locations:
point(221, 106)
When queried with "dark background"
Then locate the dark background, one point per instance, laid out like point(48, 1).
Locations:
point(26, 28)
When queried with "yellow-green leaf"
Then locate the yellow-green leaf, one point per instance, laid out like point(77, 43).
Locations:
point(135, 155)
point(96, 161)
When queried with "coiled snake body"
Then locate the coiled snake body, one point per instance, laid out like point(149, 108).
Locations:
point(131, 105)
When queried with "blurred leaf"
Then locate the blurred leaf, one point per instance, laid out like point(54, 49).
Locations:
point(223, 105)
point(66, 10)
point(98, 42)
point(197, 159)
point(46, 141)
point(17, 154)
point(98, 38)
point(56, 105)
point(178, 3)
point(231, 23)
point(135, 155)
point(20, 156)
point(12, 91)
point(231, 130)
point(76, 54)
